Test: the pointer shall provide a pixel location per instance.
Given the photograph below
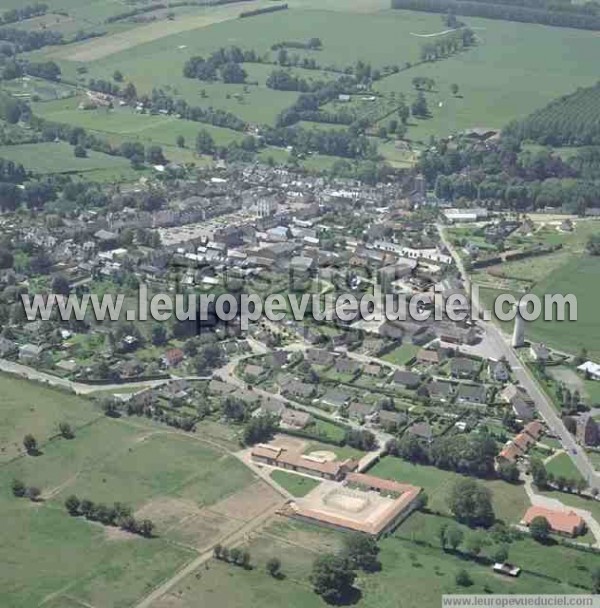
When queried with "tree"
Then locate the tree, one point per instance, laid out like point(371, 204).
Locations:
point(146, 528)
point(273, 567)
point(539, 529)
point(442, 530)
point(65, 430)
point(244, 560)
point(61, 285)
point(463, 579)
point(72, 504)
point(361, 552)
point(159, 334)
point(235, 555)
point(593, 244)
point(33, 493)
point(79, 151)
point(118, 76)
point(500, 555)
point(419, 107)
point(205, 144)
point(217, 551)
point(332, 577)
point(154, 155)
point(454, 89)
point(18, 488)
point(508, 471)
point(471, 503)
point(454, 536)
point(180, 141)
point(474, 543)
point(596, 580)
point(30, 444)
point(538, 473)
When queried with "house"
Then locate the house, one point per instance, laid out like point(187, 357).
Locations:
point(335, 398)
point(461, 367)
point(345, 365)
point(509, 453)
point(372, 369)
point(564, 522)
point(295, 419)
point(539, 352)
point(523, 409)
point(391, 421)
point(523, 441)
point(471, 393)
point(7, 347)
point(442, 391)
point(270, 407)
point(296, 388)
point(422, 430)
point(428, 357)
point(318, 356)
point(534, 429)
point(30, 352)
point(253, 370)
point(458, 335)
point(173, 357)
point(498, 371)
point(586, 431)
point(361, 411)
point(409, 380)
point(279, 358)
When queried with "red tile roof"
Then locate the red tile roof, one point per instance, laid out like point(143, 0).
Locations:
point(564, 522)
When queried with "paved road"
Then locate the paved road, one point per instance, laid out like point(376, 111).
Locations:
point(503, 348)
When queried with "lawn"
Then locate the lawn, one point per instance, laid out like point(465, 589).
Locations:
point(297, 485)
point(58, 157)
point(402, 355)
point(562, 466)
point(28, 407)
point(510, 501)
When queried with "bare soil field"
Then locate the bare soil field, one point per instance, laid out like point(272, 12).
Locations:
point(183, 521)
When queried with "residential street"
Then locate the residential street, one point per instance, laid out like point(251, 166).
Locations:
point(503, 348)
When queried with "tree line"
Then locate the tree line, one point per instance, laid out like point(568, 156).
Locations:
point(25, 12)
point(589, 20)
point(118, 514)
point(451, 43)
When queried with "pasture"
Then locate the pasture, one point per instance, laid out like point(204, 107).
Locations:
point(411, 558)
point(58, 157)
point(192, 491)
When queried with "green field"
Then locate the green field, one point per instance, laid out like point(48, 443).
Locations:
point(510, 501)
point(562, 466)
point(159, 473)
point(297, 485)
point(58, 157)
point(414, 572)
point(401, 355)
point(27, 407)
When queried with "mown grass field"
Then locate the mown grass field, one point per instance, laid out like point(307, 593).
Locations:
point(58, 157)
point(27, 407)
point(509, 501)
point(562, 466)
point(126, 460)
point(297, 485)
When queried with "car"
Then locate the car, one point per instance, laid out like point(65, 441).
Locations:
point(574, 451)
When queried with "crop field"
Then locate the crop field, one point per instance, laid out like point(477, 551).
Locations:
point(510, 501)
point(58, 157)
point(161, 474)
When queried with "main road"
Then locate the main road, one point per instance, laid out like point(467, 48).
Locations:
point(503, 348)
